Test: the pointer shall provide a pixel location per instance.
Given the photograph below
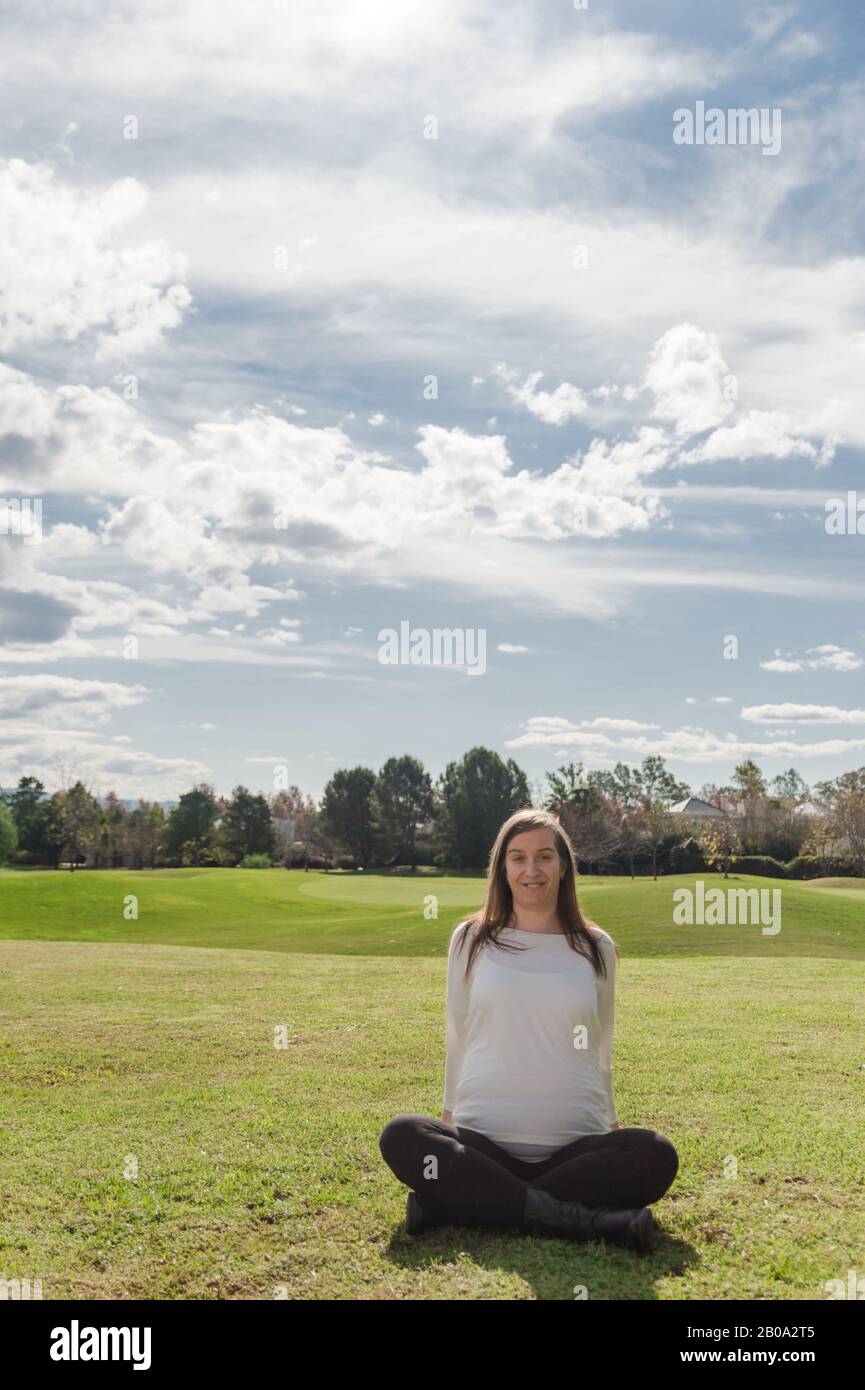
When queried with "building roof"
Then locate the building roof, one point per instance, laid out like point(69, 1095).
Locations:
point(693, 806)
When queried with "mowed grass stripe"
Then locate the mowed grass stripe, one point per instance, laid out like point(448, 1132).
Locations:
point(277, 910)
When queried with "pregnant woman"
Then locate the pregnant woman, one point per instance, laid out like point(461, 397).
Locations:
point(529, 1136)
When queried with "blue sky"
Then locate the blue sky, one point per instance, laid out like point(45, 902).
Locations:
point(648, 355)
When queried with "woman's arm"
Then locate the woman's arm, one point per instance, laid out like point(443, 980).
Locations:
point(606, 1011)
point(456, 1014)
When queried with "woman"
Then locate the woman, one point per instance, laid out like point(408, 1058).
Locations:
point(529, 1135)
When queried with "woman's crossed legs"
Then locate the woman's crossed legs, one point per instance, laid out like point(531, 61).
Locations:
point(464, 1177)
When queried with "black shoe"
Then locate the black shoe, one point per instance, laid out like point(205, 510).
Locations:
point(418, 1217)
point(632, 1227)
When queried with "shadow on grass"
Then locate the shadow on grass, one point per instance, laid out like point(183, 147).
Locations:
point(553, 1268)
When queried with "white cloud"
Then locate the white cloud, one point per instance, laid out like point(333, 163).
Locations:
point(759, 434)
point(63, 273)
point(834, 658)
point(556, 407)
point(681, 745)
point(828, 658)
point(686, 374)
point(621, 725)
point(803, 714)
point(64, 699)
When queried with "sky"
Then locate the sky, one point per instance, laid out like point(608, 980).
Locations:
point(318, 319)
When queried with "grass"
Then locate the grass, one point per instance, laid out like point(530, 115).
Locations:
point(151, 1043)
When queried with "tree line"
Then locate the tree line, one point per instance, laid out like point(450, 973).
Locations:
point(619, 821)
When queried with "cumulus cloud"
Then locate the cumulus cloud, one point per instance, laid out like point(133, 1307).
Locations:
point(28, 749)
point(64, 699)
point(759, 434)
point(687, 374)
point(556, 407)
point(67, 268)
point(827, 657)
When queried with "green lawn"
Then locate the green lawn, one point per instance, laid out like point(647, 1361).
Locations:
point(151, 1042)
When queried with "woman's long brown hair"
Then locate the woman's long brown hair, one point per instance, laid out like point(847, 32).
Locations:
point(497, 911)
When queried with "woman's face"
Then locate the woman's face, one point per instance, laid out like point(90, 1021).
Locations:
point(534, 870)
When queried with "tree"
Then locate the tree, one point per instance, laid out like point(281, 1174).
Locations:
point(659, 785)
point(653, 826)
point(719, 841)
point(145, 833)
point(113, 839)
point(8, 834)
point(28, 804)
point(247, 826)
point(472, 799)
point(627, 784)
point(820, 839)
point(785, 828)
point(759, 817)
point(403, 796)
point(844, 800)
point(190, 833)
point(593, 830)
point(295, 819)
point(585, 813)
point(347, 812)
point(74, 823)
point(789, 786)
point(630, 832)
point(749, 781)
point(651, 819)
point(568, 785)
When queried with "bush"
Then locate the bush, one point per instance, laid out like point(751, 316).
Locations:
point(315, 860)
point(686, 858)
point(806, 866)
point(255, 861)
point(759, 864)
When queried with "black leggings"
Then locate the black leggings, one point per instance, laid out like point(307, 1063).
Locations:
point(475, 1182)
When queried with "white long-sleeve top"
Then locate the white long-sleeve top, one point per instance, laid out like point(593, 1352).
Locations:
point(529, 1042)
